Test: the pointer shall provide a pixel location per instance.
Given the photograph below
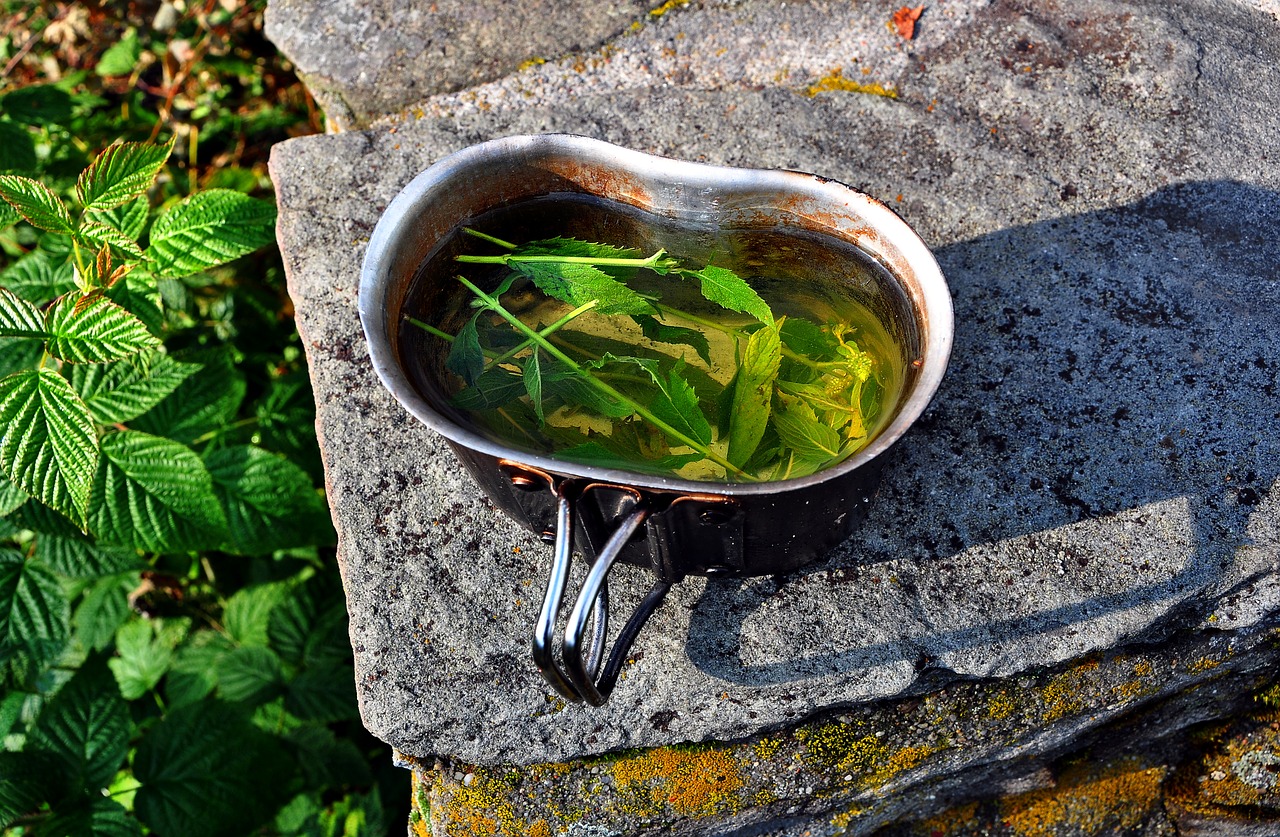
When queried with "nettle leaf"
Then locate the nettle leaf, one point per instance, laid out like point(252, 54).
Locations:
point(87, 725)
point(39, 276)
point(19, 318)
point(805, 338)
point(532, 377)
point(103, 610)
point(37, 203)
point(250, 674)
point(752, 393)
point(17, 148)
point(269, 502)
point(675, 403)
point(120, 392)
point(800, 430)
point(50, 445)
point(660, 332)
point(493, 388)
point(208, 229)
point(98, 332)
point(201, 404)
point(154, 494)
point(561, 246)
point(202, 770)
point(466, 357)
point(121, 173)
point(144, 657)
point(33, 610)
point(561, 381)
point(578, 284)
point(726, 288)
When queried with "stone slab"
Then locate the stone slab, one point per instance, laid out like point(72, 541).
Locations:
point(368, 58)
point(1100, 467)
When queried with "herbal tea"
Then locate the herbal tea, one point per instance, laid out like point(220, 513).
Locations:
point(689, 365)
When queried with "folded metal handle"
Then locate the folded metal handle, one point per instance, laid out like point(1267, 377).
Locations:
point(577, 680)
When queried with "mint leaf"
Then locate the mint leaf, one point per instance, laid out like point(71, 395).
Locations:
point(120, 392)
point(154, 494)
point(799, 429)
point(86, 725)
point(269, 502)
point(578, 284)
point(752, 394)
point(660, 332)
point(466, 357)
point(208, 229)
point(33, 610)
point(98, 332)
point(36, 202)
point(50, 445)
point(532, 378)
point(724, 287)
point(121, 173)
point(19, 318)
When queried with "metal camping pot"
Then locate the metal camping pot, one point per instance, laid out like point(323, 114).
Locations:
point(673, 527)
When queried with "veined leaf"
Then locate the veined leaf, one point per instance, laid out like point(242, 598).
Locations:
point(121, 173)
point(194, 673)
point(805, 338)
point(799, 429)
point(466, 358)
point(50, 445)
point(251, 675)
point(11, 497)
point(94, 235)
point(562, 246)
point(28, 780)
point(753, 393)
point(19, 355)
point(269, 502)
point(247, 616)
point(532, 378)
point(17, 149)
point(36, 202)
point(103, 610)
point(19, 318)
point(100, 817)
point(493, 388)
point(8, 215)
point(578, 284)
point(676, 402)
point(100, 332)
point(324, 693)
point(33, 611)
point(208, 229)
point(87, 725)
point(595, 453)
point(120, 392)
point(660, 332)
point(201, 404)
point(154, 494)
point(559, 381)
point(724, 287)
point(74, 555)
point(38, 276)
point(129, 218)
point(143, 658)
point(137, 294)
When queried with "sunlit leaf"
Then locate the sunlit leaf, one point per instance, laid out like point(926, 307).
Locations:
point(269, 502)
point(208, 229)
point(724, 287)
point(121, 173)
point(120, 392)
point(36, 202)
point(98, 332)
point(752, 393)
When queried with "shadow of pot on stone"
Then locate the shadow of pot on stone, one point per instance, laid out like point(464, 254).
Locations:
point(1099, 466)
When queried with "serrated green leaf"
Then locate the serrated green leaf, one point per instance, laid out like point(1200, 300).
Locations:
point(130, 218)
point(251, 675)
point(50, 445)
point(726, 288)
point(33, 610)
point(193, 675)
point(120, 392)
point(99, 332)
point(137, 294)
point(38, 104)
point(154, 494)
point(17, 149)
point(202, 770)
point(247, 616)
point(11, 497)
point(578, 284)
point(660, 332)
point(143, 659)
point(92, 235)
point(8, 216)
point(325, 693)
point(562, 246)
point(87, 725)
point(39, 276)
point(41, 519)
point(121, 173)
point(77, 557)
point(466, 357)
point(208, 229)
point(287, 422)
point(675, 401)
point(19, 318)
point(800, 430)
point(269, 502)
point(202, 404)
point(493, 388)
point(103, 610)
point(36, 202)
point(532, 377)
point(753, 393)
point(99, 817)
point(27, 780)
point(805, 338)
point(330, 761)
point(562, 382)
point(120, 58)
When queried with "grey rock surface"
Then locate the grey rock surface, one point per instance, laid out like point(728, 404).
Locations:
point(1101, 465)
point(369, 58)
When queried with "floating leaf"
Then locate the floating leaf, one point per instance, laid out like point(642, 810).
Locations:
point(50, 445)
point(154, 494)
point(493, 388)
point(208, 229)
point(658, 331)
point(98, 332)
point(578, 284)
point(269, 502)
point(726, 288)
point(752, 393)
point(807, 339)
point(466, 357)
point(532, 378)
point(675, 402)
point(800, 430)
point(36, 202)
point(121, 173)
point(562, 246)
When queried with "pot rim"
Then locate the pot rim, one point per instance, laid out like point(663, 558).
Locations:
point(399, 220)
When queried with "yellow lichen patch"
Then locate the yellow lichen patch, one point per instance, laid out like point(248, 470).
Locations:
point(843, 747)
point(529, 63)
point(836, 80)
point(905, 759)
point(1204, 664)
point(848, 815)
point(1118, 797)
point(540, 829)
point(659, 11)
point(692, 781)
point(1000, 706)
point(767, 748)
point(1270, 697)
point(1062, 694)
point(1143, 668)
point(483, 808)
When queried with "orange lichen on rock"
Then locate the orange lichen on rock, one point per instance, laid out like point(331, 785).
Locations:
point(836, 80)
point(693, 781)
point(950, 820)
point(483, 808)
point(1062, 695)
point(1117, 797)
